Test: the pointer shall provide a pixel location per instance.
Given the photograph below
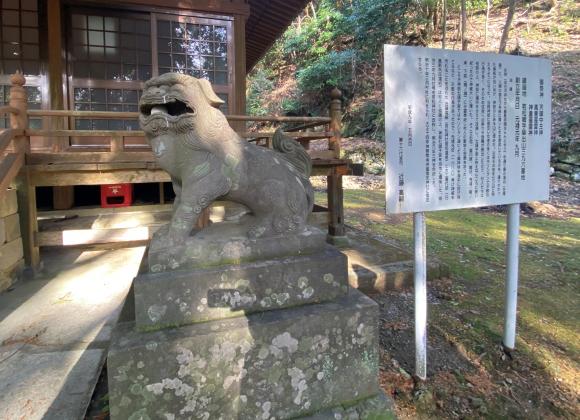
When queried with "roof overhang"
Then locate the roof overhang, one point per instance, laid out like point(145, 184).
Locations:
point(268, 20)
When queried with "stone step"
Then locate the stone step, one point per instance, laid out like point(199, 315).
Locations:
point(376, 264)
point(393, 276)
point(55, 330)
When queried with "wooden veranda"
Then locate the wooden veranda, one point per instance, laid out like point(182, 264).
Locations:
point(120, 161)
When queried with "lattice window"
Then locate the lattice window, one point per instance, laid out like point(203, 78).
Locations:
point(113, 52)
point(118, 100)
point(19, 42)
point(198, 50)
point(19, 51)
point(111, 48)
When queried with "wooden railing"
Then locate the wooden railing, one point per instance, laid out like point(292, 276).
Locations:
point(13, 141)
point(10, 162)
point(306, 130)
point(114, 161)
point(330, 128)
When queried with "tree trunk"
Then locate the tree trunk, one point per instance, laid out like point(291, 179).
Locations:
point(444, 22)
point(313, 10)
point(464, 25)
point(489, 3)
point(435, 15)
point(429, 13)
point(507, 26)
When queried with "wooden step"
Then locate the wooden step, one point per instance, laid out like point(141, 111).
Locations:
point(123, 225)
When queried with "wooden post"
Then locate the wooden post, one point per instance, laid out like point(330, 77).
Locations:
point(237, 104)
point(203, 220)
point(26, 193)
point(117, 145)
point(334, 180)
point(19, 100)
point(161, 193)
point(62, 197)
point(335, 207)
point(335, 113)
point(55, 71)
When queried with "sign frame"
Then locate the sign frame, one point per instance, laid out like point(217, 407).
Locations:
point(512, 118)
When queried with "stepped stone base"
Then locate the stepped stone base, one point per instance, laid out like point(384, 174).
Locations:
point(184, 297)
point(228, 243)
point(281, 364)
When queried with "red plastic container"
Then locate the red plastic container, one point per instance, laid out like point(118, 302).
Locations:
point(116, 195)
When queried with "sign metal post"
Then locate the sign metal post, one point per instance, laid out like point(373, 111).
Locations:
point(420, 283)
point(511, 281)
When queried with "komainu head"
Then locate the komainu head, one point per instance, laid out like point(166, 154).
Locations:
point(177, 104)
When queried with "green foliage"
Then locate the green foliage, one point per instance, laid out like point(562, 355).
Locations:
point(339, 43)
point(570, 127)
point(310, 40)
point(332, 69)
point(329, 44)
point(372, 158)
point(291, 106)
point(258, 84)
point(374, 23)
point(367, 120)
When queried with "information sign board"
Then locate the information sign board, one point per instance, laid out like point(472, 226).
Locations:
point(465, 129)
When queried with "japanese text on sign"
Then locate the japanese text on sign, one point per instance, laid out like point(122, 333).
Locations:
point(465, 129)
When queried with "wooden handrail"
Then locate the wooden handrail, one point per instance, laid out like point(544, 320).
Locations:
point(136, 133)
point(129, 115)
point(274, 118)
point(9, 110)
point(6, 137)
point(101, 161)
point(305, 135)
point(82, 114)
point(303, 126)
point(89, 157)
point(85, 133)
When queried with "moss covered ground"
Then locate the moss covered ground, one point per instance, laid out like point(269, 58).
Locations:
point(539, 379)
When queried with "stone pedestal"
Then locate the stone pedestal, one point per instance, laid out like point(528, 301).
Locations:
point(275, 339)
point(203, 294)
point(228, 243)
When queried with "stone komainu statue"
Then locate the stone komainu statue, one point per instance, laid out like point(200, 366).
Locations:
point(192, 140)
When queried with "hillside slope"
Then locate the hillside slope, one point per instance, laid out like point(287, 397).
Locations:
point(297, 74)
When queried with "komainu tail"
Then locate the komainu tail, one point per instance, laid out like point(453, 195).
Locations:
point(293, 152)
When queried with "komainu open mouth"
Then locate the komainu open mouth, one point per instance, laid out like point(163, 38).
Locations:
point(174, 108)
